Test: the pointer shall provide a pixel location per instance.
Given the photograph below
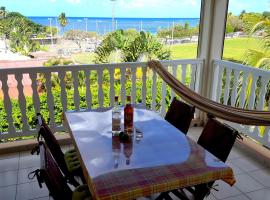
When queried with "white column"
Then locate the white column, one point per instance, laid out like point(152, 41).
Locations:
point(212, 33)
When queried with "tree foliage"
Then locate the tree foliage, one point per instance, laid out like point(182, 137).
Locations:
point(260, 57)
point(179, 31)
point(62, 19)
point(130, 46)
point(19, 29)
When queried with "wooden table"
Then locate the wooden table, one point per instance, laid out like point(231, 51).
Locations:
point(159, 159)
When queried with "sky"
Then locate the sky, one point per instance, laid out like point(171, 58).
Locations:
point(125, 8)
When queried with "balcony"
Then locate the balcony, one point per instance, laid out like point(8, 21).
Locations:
point(88, 87)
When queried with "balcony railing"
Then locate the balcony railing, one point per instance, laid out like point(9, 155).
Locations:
point(53, 90)
point(94, 86)
point(243, 87)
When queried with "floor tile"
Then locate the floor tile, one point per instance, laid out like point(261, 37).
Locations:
point(194, 133)
point(8, 178)
point(8, 193)
point(236, 169)
point(247, 184)
point(29, 161)
point(44, 198)
point(210, 197)
point(23, 175)
point(224, 190)
point(259, 195)
point(236, 153)
point(9, 164)
point(31, 191)
point(262, 176)
point(240, 197)
point(11, 155)
point(248, 164)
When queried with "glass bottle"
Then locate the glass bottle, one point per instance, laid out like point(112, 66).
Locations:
point(128, 116)
point(116, 117)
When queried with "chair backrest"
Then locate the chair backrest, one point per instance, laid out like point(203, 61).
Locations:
point(218, 138)
point(52, 176)
point(52, 144)
point(180, 115)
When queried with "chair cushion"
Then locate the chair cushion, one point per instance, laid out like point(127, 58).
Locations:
point(81, 193)
point(72, 161)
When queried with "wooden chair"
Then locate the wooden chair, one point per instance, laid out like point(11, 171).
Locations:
point(180, 115)
point(55, 181)
point(218, 139)
point(68, 162)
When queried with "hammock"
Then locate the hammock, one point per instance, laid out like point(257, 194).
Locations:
point(229, 113)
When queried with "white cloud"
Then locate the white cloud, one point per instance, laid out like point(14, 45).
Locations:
point(74, 1)
point(52, 1)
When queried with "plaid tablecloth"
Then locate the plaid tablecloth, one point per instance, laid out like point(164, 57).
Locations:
point(134, 183)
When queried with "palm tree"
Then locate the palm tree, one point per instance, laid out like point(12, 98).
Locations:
point(62, 20)
point(3, 12)
point(260, 57)
point(127, 46)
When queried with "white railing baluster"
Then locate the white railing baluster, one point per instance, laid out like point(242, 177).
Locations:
point(252, 95)
point(198, 79)
point(123, 86)
point(8, 105)
point(61, 76)
point(184, 72)
point(217, 82)
point(112, 92)
point(163, 97)
point(76, 94)
point(266, 133)
point(227, 86)
point(154, 91)
point(100, 89)
point(133, 86)
point(192, 77)
point(263, 90)
point(243, 89)
point(35, 97)
point(262, 93)
point(22, 103)
point(235, 86)
point(174, 70)
point(144, 70)
point(50, 99)
point(88, 94)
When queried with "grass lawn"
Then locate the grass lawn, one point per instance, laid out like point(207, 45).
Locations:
point(234, 50)
point(83, 58)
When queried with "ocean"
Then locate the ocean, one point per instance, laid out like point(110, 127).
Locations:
point(104, 25)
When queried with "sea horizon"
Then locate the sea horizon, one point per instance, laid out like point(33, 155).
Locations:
point(103, 25)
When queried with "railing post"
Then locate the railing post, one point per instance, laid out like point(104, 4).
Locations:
point(210, 47)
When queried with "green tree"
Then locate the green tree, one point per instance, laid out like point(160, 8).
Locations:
point(3, 12)
point(62, 20)
point(120, 46)
point(260, 57)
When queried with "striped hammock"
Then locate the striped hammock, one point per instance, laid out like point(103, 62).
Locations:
point(229, 113)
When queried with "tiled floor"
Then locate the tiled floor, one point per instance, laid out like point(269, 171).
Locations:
point(253, 178)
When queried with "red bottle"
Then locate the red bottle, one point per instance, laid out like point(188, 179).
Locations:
point(128, 116)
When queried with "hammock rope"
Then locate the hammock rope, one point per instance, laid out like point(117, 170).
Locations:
point(226, 112)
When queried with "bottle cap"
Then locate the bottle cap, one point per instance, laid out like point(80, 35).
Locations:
point(128, 98)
